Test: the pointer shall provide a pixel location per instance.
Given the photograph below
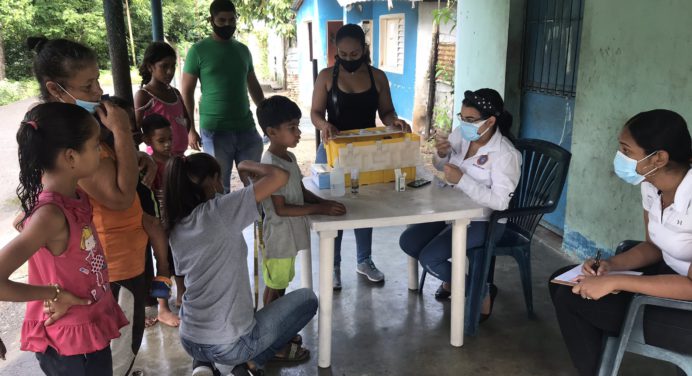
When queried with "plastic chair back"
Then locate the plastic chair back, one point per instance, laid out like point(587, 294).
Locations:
point(543, 174)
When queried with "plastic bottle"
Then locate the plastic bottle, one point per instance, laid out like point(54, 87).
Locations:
point(336, 181)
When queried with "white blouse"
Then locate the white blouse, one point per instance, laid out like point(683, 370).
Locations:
point(491, 176)
point(671, 229)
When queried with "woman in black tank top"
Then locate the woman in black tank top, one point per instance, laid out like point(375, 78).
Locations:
point(351, 93)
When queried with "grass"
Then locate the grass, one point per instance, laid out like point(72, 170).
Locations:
point(106, 78)
point(12, 91)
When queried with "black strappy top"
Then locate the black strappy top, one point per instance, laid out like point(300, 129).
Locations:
point(352, 110)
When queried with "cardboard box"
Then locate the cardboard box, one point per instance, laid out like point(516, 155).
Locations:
point(320, 175)
point(376, 152)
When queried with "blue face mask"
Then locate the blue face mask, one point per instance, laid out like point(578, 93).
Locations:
point(469, 131)
point(89, 106)
point(626, 168)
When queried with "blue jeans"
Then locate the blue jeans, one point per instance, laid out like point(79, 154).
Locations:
point(431, 244)
point(363, 235)
point(276, 324)
point(232, 146)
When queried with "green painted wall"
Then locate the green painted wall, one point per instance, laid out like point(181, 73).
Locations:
point(481, 47)
point(635, 55)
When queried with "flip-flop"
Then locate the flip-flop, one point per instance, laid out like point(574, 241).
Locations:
point(295, 354)
point(150, 321)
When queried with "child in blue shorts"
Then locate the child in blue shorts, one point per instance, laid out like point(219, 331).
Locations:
point(286, 230)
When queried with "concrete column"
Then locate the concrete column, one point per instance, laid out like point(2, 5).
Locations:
point(481, 50)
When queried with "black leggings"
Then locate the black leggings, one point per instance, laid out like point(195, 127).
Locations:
point(586, 323)
point(96, 363)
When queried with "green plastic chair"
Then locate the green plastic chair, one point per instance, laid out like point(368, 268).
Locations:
point(543, 174)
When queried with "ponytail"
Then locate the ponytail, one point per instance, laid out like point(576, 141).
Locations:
point(504, 124)
point(183, 190)
point(47, 129)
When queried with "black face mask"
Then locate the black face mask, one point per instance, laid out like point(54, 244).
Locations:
point(224, 32)
point(351, 65)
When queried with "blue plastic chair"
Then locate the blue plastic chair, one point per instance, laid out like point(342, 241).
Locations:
point(631, 336)
point(543, 174)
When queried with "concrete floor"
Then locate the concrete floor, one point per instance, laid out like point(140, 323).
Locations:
point(385, 329)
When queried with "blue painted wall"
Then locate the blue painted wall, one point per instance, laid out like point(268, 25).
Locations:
point(355, 15)
point(402, 85)
point(548, 117)
point(319, 12)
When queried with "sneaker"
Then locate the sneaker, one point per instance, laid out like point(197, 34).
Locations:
point(243, 370)
point(336, 281)
point(368, 269)
point(200, 368)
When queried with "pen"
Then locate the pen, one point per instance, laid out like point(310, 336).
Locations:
point(597, 262)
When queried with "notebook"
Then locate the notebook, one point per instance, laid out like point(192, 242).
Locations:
point(567, 277)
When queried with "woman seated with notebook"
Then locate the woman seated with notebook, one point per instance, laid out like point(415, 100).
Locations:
point(655, 148)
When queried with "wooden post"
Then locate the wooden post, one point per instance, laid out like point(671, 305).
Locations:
point(117, 47)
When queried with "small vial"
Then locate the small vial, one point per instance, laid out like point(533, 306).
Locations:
point(355, 183)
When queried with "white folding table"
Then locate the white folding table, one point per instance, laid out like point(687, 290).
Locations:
point(378, 205)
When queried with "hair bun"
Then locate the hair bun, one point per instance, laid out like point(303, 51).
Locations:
point(36, 43)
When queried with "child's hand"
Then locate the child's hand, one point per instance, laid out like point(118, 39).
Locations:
point(147, 165)
point(332, 208)
point(113, 117)
point(58, 309)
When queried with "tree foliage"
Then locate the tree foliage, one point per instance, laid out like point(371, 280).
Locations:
point(185, 22)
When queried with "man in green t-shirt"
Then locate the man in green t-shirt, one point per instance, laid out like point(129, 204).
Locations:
point(224, 69)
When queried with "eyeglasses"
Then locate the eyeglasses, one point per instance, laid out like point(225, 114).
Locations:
point(468, 120)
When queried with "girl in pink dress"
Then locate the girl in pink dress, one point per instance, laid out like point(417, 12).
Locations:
point(71, 315)
point(158, 97)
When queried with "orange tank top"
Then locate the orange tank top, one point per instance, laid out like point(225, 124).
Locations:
point(121, 233)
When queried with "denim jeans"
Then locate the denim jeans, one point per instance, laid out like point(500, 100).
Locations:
point(232, 146)
point(276, 324)
point(363, 235)
point(431, 244)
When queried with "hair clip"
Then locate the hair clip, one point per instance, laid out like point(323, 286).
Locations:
point(32, 123)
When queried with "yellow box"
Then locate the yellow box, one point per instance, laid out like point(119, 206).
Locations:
point(392, 149)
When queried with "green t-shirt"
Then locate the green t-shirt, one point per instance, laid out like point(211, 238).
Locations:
point(222, 68)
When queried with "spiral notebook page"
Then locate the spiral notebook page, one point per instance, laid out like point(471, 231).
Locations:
point(568, 277)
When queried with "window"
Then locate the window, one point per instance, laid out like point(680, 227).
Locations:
point(392, 43)
point(551, 52)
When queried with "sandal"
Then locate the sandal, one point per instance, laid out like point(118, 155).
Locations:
point(295, 354)
point(244, 370)
point(493, 294)
point(442, 293)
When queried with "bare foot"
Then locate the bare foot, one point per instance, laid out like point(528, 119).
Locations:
point(485, 308)
point(168, 318)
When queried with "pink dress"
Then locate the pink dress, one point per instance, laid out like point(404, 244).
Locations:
point(175, 114)
point(81, 270)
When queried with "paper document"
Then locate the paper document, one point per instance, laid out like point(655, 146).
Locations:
point(567, 278)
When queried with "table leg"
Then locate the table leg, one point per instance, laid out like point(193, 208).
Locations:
point(306, 268)
point(458, 281)
point(326, 296)
point(412, 274)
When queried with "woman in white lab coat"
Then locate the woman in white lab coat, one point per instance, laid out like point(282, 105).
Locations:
point(480, 160)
